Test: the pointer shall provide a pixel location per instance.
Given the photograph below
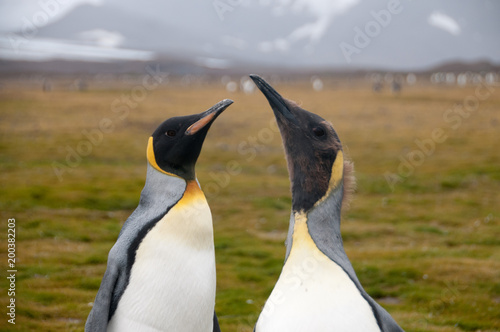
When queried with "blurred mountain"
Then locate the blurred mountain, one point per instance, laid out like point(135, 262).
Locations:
point(178, 67)
point(296, 34)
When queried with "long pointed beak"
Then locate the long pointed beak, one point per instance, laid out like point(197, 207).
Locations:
point(276, 101)
point(208, 116)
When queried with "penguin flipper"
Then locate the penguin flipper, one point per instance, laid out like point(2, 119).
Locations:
point(99, 315)
point(386, 322)
point(216, 324)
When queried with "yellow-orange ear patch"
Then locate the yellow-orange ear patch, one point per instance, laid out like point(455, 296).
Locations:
point(337, 171)
point(150, 155)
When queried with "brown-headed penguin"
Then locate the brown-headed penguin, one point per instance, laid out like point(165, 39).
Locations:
point(318, 289)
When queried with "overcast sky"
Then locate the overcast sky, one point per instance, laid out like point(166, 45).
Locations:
point(393, 34)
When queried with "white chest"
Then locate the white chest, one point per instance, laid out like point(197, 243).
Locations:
point(172, 282)
point(314, 294)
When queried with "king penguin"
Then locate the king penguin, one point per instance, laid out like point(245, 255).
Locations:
point(160, 274)
point(317, 289)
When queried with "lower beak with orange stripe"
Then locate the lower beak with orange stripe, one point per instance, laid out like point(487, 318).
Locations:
point(208, 117)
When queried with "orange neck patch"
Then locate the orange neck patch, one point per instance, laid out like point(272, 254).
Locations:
point(192, 195)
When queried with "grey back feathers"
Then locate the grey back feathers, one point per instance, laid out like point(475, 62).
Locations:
point(160, 193)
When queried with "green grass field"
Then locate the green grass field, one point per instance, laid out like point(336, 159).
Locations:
point(425, 244)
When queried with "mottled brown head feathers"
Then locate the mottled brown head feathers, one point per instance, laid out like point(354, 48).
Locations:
point(311, 147)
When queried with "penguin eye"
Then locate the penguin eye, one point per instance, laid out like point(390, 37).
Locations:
point(318, 131)
point(171, 133)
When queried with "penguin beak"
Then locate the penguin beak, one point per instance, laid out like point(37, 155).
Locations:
point(277, 102)
point(208, 116)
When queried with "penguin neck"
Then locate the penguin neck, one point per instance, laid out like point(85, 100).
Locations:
point(162, 189)
point(324, 214)
point(323, 217)
point(319, 229)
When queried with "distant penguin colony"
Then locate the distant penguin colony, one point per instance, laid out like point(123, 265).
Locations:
point(161, 276)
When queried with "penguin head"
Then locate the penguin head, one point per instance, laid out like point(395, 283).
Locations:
point(175, 145)
point(312, 147)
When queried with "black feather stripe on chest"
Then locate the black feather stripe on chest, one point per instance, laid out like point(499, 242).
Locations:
point(131, 254)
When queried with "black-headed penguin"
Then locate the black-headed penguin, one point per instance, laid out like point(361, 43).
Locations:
point(160, 273)
point(318, 289)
